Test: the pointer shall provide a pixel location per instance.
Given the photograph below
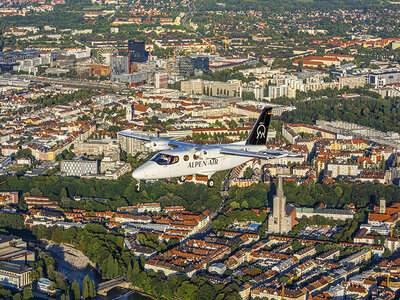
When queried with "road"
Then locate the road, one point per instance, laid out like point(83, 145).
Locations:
point(191, 11)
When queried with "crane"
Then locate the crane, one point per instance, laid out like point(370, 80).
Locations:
point(225, 41)
point(216, 38)
point(283, 287)
point(168, 65)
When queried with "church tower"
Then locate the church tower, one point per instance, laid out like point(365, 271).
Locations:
point(130, 111)
point(279, 221)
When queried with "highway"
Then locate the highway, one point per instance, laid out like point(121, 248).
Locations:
point(191, 11)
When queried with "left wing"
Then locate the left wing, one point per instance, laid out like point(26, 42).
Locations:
point(171, 143)
point(273, 154)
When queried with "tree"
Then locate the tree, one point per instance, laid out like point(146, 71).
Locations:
point(85, 287)
point(92, 290)
point(27, 293)
point(115, 268)
point(129, 273)
point(75, 290)
point(284, 279)
point(245, 204)
point(387, 253)
point(248, 173)
point(63, 193)
point(36, 192)
point(17, 297)
point(382, 241)
point(24, 152)
point(338, 191)
point(235, 205)
point(233, 124)
point(136, 268)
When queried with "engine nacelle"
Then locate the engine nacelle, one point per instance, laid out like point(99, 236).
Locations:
point(157, 145)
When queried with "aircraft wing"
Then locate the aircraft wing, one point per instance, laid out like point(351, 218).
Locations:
point(267, 155)
point(147, 138)
point(280, 153)
point(246, 154)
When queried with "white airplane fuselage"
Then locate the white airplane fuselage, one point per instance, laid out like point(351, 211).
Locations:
point(206, 161)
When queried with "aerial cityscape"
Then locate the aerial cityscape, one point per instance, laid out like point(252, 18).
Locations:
point(199, 149)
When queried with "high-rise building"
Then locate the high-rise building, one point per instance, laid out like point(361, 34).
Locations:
point(119, 65)
point(186, 66)
point(280, 221)
point(137, 51)
point(202, 63)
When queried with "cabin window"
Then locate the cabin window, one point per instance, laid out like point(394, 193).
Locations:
point(165, 159)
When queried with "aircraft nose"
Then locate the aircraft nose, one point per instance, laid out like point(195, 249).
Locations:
point(138, 174)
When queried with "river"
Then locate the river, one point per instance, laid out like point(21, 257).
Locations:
point(72, 273)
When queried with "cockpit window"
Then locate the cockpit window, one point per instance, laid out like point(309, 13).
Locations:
point(165, 159)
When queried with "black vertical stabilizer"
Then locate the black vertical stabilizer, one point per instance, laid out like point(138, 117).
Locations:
point(258, 135)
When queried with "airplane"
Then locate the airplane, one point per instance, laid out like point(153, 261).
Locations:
point(181, 159)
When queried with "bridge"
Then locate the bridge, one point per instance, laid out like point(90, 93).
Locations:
point(120, 281)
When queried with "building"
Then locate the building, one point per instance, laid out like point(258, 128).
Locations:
point(44, 285)
point(384, 215)
point(382, 78)
point(78, 167)
point(280, 221)
point(34, 201)
point(186, 66)
point(119, 65)
point(358, 258)
point(13, 249)
point(218, 268)
point(14, 275)
point(231, 88)
point(137, 51)
point(337, 214)
point(130, 112)
point(96, 146)
point(9, 198)
point(202, 63)
point(5, 162)
point(342, 169)
point(161, 80)
point(133, 146)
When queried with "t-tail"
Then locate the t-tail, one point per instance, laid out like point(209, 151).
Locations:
point(258, 135)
